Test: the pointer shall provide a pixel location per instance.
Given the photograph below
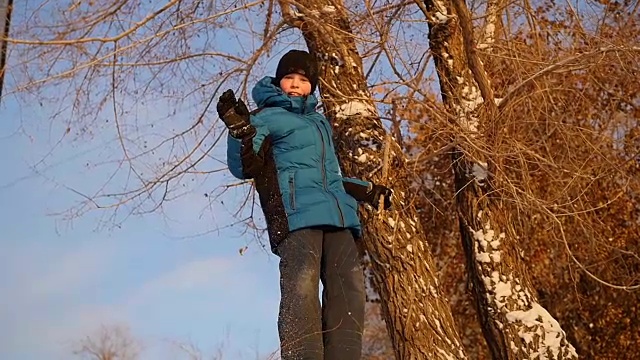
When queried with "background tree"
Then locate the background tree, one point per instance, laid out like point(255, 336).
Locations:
point(109, 343)
point(116, 342)
point(548, 68)
point(514, 324)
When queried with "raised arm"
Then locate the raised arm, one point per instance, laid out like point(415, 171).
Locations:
point(247, 141)
point(246, 156)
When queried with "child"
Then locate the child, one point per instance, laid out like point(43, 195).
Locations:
point(310, 209)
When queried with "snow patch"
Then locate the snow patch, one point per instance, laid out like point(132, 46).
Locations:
point(328, 9)
point(483, 257)
point(441, 13)
point(391, 222)
point(502, 292)
point(441, 6)
point(480, 171)
point(471, 98)
point(543, 325)
point(487, 282)
point(490, 29)
point(441, 17)
point(489, 32)
point(354, 108)
point(467, 121)
point(487, 243)
point(495, 256)
point(445, 354)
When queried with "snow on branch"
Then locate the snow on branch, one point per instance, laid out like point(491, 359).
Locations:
point(353, 108)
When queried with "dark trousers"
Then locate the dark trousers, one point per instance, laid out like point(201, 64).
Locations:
point(308, 332)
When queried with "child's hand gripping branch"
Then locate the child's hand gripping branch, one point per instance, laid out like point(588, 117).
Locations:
point(368, 192)
point(377, 191)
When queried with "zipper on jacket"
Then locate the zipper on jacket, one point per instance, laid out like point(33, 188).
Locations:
point(324, 175)
point(292, 192)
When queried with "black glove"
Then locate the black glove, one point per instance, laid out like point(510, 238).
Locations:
point(235, 115)
point(374, 194)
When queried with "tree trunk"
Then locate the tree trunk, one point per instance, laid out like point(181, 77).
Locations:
point(417, 315)
point(514, 324)
point(6, 6)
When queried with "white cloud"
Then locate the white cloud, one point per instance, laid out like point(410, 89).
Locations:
point(209, 299)
point(56, 333)
point(41, 306)
point(57, 289)
point(192, 275)
point(74, 270)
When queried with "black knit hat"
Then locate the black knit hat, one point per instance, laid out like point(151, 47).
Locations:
point(298, 62)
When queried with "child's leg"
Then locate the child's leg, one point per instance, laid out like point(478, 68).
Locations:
point(299, 323)
point(343, 297)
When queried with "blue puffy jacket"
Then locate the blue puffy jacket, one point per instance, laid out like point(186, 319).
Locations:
point(294, 165)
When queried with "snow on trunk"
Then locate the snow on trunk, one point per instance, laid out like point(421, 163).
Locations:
point(403, 273)
point(514, 324)
point(492, 24)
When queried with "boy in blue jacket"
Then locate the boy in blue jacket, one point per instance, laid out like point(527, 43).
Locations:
point(310, 209)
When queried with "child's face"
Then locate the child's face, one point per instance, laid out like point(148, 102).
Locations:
point(295, 85)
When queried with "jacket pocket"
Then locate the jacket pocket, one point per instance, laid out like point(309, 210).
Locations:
point(292, 190)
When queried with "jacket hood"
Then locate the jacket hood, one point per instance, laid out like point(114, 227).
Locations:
point(267, 94)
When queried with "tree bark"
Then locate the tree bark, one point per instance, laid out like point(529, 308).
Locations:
point(6, 6)
point(515, 326)
point(417, 315)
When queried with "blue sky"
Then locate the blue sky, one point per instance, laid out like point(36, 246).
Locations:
point(61, 279)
